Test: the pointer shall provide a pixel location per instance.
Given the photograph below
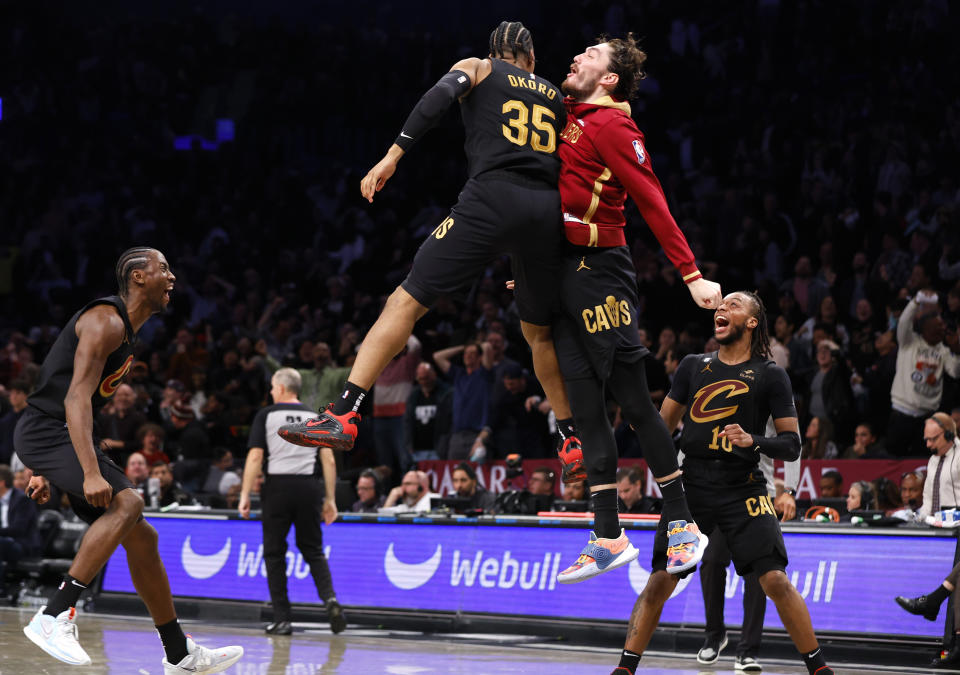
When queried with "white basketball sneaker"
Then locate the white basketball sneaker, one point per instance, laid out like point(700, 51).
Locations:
point(57, 636)
point(202, 661)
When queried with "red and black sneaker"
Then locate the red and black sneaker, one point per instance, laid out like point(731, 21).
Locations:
point(570, 454)
point(327, 431)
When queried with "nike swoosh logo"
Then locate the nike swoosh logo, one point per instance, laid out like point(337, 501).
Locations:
point(406, 135)
point(201, 566)
point(411, 575)
point(74, 582)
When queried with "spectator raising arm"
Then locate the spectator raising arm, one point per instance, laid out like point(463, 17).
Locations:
point(443, 357)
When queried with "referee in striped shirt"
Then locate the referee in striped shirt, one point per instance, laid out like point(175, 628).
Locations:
point(292, 494)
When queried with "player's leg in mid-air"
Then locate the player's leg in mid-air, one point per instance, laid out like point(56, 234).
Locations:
point(484, 223)
point(599, 348)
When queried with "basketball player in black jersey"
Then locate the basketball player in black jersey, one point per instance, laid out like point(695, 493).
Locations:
point(724, 399)
point(56, 438)
point(510, 204)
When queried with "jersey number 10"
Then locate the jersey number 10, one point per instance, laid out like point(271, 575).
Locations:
point(518, 131)
point(724, 442)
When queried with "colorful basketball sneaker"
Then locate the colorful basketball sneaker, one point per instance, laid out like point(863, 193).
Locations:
point(685, 546)
point(599, 556)
point(570, 454)
point(327, 431)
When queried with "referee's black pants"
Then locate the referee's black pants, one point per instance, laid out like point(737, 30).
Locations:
point(713, 583)
point(293, 500)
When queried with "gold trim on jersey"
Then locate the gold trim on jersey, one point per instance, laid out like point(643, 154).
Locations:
point(594, 203)
point(691, 275)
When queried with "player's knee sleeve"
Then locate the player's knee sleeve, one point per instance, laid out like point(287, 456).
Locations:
point(628, 382)
point(596, 435)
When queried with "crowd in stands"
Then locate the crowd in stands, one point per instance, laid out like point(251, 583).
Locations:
point(800, 154)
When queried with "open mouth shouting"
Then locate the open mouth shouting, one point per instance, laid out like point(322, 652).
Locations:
point(721, 325)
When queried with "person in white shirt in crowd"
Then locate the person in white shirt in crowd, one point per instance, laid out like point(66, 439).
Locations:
point(927, 350)
point(413, 495)
point(942, 486)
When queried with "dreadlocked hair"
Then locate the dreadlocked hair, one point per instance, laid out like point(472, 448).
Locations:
point(626, 61)
point(760, 340)
point(513, 38)
point(135, 258)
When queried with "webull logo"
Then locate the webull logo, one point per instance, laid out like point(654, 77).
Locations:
point(502, 571)
point(249, 562)
point(813, 586)
point(505, 572)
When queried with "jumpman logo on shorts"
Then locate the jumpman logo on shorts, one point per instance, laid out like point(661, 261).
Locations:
point(583, 264)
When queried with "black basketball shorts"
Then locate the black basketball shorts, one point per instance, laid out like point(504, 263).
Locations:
point(740, 507)
point(597, 324)
point(43, 444)
point(495, 216)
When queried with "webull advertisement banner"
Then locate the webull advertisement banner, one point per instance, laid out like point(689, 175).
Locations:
point(849, 581)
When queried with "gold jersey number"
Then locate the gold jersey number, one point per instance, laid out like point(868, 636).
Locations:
point(724, 443)
point(518, 132)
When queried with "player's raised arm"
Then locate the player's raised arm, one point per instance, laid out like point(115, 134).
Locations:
point(622, 147)
point(431, 107)
point(100, 331)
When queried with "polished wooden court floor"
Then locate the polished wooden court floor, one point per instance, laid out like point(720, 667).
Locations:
point(130, 646)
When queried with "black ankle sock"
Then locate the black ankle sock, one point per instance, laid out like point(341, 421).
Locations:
point(566, 428)
point(174, 641)
point(814, 660)
point(66, 596)
point(606, 518)
point(939, 595)
point(629, 660)
point(349, 400)
point(675, 500)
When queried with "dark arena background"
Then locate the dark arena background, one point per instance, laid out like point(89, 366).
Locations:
point(807, 150)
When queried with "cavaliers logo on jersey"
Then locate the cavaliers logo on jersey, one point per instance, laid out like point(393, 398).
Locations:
point(701, 412)
point(110, 383)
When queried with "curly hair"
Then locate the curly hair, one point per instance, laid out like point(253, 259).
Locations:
point(626, 61)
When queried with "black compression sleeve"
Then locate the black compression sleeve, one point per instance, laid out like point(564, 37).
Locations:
point(785, 445)
point(431, 107)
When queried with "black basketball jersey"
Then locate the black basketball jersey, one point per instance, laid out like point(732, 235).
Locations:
point(280, 456)
point(717, 394)
point(57, 369)
point(513, 121)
